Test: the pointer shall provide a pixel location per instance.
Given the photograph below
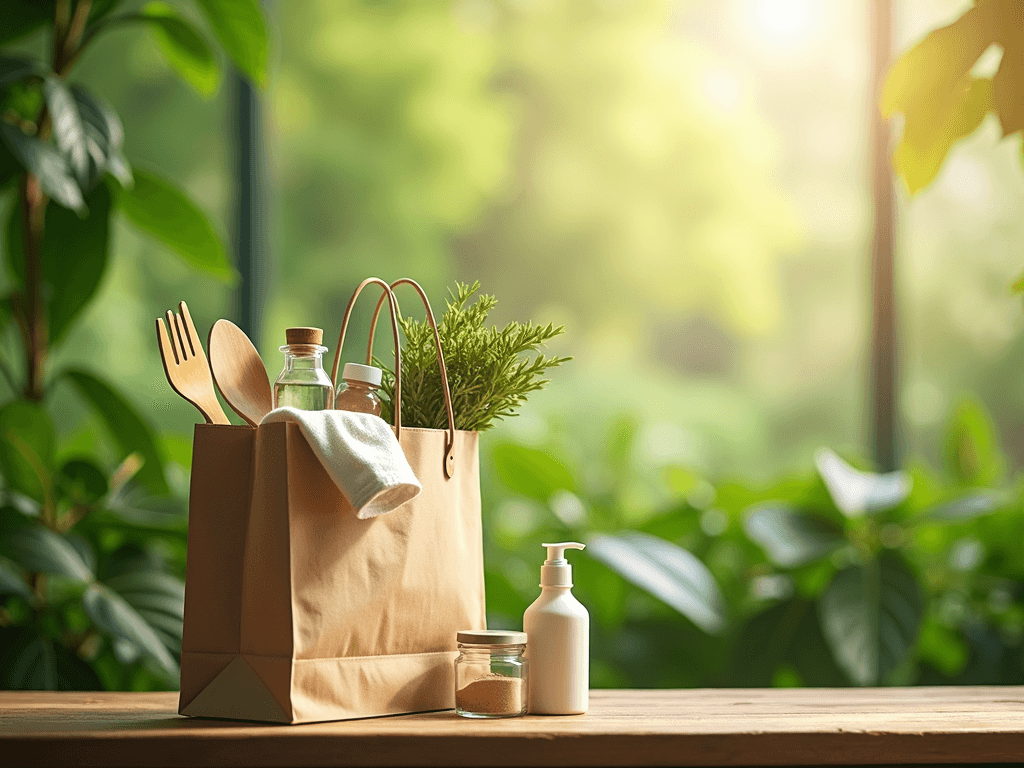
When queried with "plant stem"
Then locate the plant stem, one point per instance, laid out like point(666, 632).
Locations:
point(61, 20)
point(74, 40)
point(76, 29)
point(34, 331)
point(68, 32)
point(73, 517)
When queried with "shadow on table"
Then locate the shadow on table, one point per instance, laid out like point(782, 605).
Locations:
point(150, 721)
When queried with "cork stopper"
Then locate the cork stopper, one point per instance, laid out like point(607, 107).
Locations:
point(309, 336)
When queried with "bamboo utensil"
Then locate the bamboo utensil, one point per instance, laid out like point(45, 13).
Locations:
point(185, 364)
point(239, 372)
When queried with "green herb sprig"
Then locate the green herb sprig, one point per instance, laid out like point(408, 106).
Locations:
point(490, 370)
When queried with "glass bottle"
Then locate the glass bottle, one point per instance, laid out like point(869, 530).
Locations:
point(490, 674)
point(359, 391)
point(304, 384)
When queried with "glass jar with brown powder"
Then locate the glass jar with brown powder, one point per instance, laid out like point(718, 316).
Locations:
point(490, 674)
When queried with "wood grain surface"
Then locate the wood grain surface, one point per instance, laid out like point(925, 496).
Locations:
point(726, 727)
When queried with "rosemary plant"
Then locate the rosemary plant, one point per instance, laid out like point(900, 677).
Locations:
point(490, 370)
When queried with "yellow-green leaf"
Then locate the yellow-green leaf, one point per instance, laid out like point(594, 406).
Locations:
point(937, 64)
point(1018, 286)
point(1008, 89)
point(928, 134)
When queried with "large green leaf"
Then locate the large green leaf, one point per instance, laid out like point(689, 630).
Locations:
point(9, 166)
point(45, 161)
point(68, 129)
point(101, 8)
point(786, 634)
point(21, 99)
point(135, 505)
point(667, 571)
point(857, 493)
point(970, 506)
point(82, 481)
point(27, 440)
point(871, 614)
point(128, 429)
point(164, 212)
point(39, 549)
point(12, 580)
point(242, 30)
point(6, 312)
point(116, 618)
point(159, 598)
point(17, 503)
point(20, 17)
point(33, 662)
point(789, 537)
point(96, 111)
point(75, 253)
point(83, 548)
point(184, 47)
point(14, 68)
point(531, 472)
point(104, 138)
point(30, 662)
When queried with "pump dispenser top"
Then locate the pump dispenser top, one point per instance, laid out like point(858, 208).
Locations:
point(556, 571)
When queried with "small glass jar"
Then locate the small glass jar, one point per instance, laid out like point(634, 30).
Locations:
point(304, 384)
point(490, 674)
point(359, 391)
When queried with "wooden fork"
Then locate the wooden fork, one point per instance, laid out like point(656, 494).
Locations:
point(185, 364)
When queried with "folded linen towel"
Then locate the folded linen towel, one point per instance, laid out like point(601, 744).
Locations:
point(360, 453)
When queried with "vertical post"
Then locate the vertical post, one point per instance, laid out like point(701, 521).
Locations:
point(249, 233)
point(884, 410)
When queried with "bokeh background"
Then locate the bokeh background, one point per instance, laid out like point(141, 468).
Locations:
point(685, 186)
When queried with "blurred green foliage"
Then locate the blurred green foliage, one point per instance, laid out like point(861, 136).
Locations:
point(627, 104)
point(833, 578)
point(91, 550)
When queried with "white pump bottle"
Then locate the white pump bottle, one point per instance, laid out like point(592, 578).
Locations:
point(558, 640)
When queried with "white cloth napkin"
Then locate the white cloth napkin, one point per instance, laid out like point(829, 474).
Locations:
point(360, 453)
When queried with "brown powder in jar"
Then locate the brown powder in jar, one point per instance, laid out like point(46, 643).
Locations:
point(492, 694)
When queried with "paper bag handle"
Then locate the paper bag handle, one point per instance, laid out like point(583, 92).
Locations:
point(449, 458)
point(393, 303)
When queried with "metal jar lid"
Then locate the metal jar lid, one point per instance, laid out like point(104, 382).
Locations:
point(491, 637)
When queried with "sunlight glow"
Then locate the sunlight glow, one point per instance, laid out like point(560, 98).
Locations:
point(967, 181)
point(722, 88)
point(783, 24)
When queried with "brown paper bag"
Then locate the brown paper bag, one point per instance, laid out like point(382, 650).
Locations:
point(297, 611)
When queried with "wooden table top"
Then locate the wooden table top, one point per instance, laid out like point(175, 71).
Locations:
point(691, 727)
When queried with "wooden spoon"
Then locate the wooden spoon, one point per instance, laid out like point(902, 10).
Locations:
point(239, 372)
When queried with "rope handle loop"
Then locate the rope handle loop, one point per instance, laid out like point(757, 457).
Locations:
point(393, 304)
point(449, 459)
